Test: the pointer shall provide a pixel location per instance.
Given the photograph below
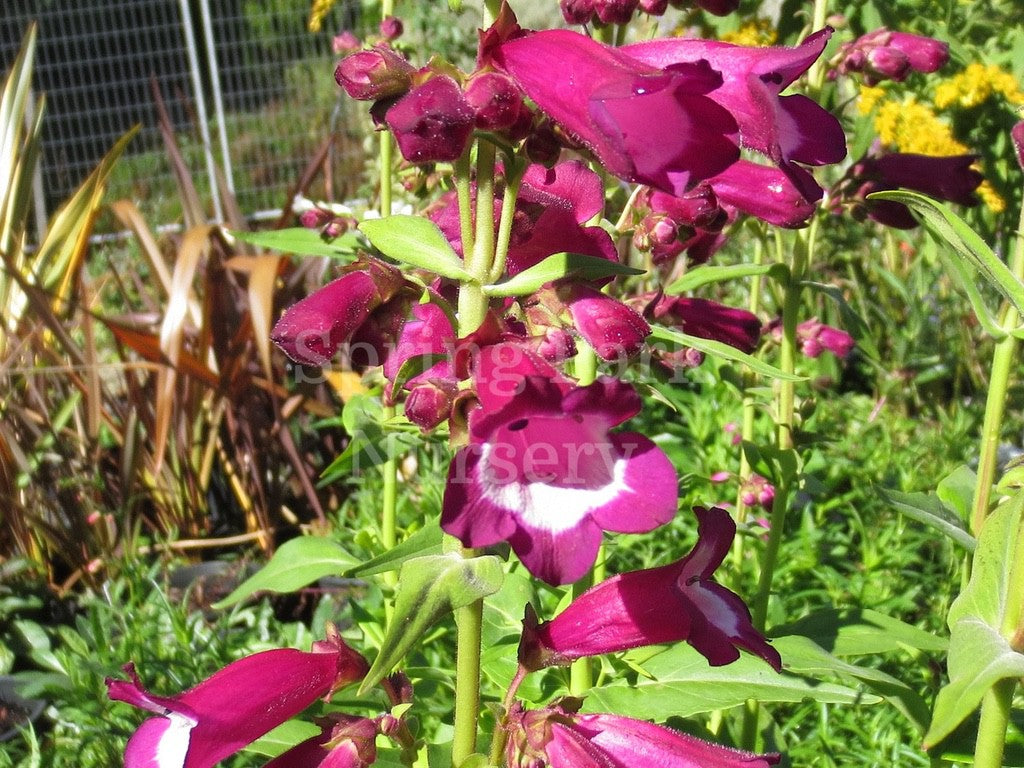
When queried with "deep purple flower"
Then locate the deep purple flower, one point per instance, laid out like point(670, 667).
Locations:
point(577, 11)
point(559, 737)
point(645, 123)
point(614, 11)
point(614, 330)
point(378, 73)
point(432, 122)
point(674, 602)
point(1017, 136)
point(945, 178)
point(543, 473)
point(787, 129)
point(311, 330)
point(708, 320)
point(763, 192)
point(237, 705)
point(345, 741)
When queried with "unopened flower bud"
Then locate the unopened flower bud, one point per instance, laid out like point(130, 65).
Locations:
point(433, 122)
point(542, 146)
point(615, 11)
point(1017, 134)
point(654, 7)
point(391, 28)
point(577, 11)
point(429, 404)
point(925, 54)
point(887, 64)
point(345, 42)
point(495, 99)
point(375, 74)
point(314, 218)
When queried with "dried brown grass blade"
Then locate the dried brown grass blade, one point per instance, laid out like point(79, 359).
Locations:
point(147, 346)
point(262, 271)
point(129, 216)
point(191, 203)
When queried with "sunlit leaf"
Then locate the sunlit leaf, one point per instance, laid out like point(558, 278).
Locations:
point(555, 267)
point(417, 241)
point(721, 351)
point(303, 241)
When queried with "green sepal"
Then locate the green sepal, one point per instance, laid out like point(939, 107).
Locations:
point(426, 541)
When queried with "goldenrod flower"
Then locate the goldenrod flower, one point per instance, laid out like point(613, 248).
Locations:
point(318, 13)
point(912, 127)
point(758, 33)
point(975, 85)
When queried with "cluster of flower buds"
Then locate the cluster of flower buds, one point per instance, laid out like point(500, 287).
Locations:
point(815, 337)
point(621, 11)
point(690, 223)
point(886, 55)
point(756, 491)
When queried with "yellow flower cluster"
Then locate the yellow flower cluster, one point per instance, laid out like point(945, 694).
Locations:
point(868, 98)
point(758, 33)
point(909, 126)
point(992, 199)
point(318, 13)
point(975, 85)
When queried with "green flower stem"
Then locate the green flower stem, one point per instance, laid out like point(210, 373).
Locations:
point(995, 717)
point(464, 194)
point(513, 178)
point(387, 149)
point(581, 673)
point(749, 409)
point(469, 628)
point(999, 381)
point(472, 300)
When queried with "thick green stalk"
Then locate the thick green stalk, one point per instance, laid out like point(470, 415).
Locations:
point(472, 300)
point(581, 673)
point(995, 717)
point(749, 410)
point(999, 381)
point(469, 627)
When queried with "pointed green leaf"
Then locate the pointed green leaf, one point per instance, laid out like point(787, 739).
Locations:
point(860, 631)
point(426, 541)
point(963, 276)
point(979, 655)
point(804, 656)
point(703, 275)
point(303, 242)
point(929, 509)
point(719, 350)
point(945, 225)
point(682, 683)
point(417, 241)
point(295, 564)
point(373, 440)
point(555, 267)
point(428, 589)
point(956, 490)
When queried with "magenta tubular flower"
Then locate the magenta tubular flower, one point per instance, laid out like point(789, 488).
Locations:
point(614, 330)
point(668, 604)
point(432, 122)
point(344, 742)
point(884, 55)
point(378, 73)
point(709, 320)
point(557, 737)
point(543, 473)
point(763, 192)
point(657, 127)
point(816, 337)
point(311, 330)
point(1017, 136)
point(225, 712)
point(786, 129)
point(945, 178)
point(924, 53)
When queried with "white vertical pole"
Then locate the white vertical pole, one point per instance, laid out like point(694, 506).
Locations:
point(218, 102)
point(197, 85)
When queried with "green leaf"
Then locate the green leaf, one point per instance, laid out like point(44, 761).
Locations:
point(555, 267)
point(502, 627)
point(964, 277)
point(414, 366)
point(684, 684)
point(695, 278)
point(282, 738)
point(302, 242)
point(720, 350)
point(956, 490)
point(417, 241)
point(945, 225)
point(979, 655)
point(295, 564)
point(806, 657)
point(429, 588)
point(860, 631)
point(426, 541)
point(929, 509)
point(373, 440)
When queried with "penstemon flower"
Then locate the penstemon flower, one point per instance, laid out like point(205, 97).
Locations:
point(672, 603)
point(543, 472)
point(235, 706)
point(558, 737)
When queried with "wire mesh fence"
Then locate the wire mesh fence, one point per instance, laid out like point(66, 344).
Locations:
point(247, 87)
